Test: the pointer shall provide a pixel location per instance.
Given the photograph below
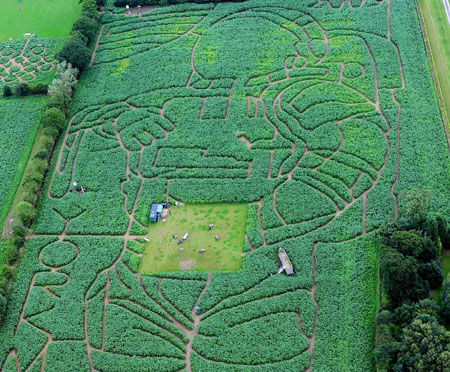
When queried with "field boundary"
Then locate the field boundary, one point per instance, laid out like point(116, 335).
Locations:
point(434, 75)
point(18, 178)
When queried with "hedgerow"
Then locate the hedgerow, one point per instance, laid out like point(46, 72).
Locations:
point(19, 122)
point(297, 109)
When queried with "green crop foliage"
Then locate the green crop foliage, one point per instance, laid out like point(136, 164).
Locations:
point(19, 123)
point(314, 115)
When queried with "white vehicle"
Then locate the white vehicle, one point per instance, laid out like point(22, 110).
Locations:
point(185, 236)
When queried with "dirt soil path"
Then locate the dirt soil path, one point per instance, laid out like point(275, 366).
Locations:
point(96, 45)
point(193, 333)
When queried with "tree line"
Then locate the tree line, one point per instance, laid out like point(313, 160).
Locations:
point(410, 326)
point(73, 57)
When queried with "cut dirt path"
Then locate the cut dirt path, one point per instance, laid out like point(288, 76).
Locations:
point(85, 330)
point(193, 70)
point(258, 214)
point(397, 171)
point(105, 303)
point(312, 339)
point(193, 333)
point(274, 200)
point(96, 45)
point(229, 99)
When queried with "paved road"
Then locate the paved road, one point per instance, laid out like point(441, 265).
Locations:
point(447, 10)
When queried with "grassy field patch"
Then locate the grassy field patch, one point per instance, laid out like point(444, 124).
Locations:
point(229, 220)
point(45, 18)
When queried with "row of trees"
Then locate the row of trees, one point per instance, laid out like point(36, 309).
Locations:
point(410, 335)
point(23, 89)
point(83, 33)
point(52, 122)
point(73, 58)
point(134, 3)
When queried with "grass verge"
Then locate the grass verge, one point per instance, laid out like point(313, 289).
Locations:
point(438, 38)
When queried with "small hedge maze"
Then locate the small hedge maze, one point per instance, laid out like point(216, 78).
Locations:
point(312, 113)
point(27, 60)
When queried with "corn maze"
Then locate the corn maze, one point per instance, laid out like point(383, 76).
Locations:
point(311, 112)
point(26, 60)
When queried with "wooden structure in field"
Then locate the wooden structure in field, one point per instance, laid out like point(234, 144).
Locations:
point(286, 264)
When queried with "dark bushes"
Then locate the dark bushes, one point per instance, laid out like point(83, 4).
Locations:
point(409, 267)
point(84, 31)
point(7, 91)
point(134, 3)
point(75, 52)
point(86, 26)
point(22, 90)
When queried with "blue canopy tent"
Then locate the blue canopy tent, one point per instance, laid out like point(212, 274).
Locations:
point(155, 212)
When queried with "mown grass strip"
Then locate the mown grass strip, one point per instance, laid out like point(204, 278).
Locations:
point(437, 33)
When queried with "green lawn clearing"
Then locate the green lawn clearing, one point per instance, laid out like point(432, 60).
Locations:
point(162, 253)
point(45, 18)
point(438, 34)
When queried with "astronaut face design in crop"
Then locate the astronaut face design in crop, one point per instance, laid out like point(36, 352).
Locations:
point(327, 104)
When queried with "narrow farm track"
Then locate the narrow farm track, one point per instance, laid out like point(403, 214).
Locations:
point(105, 304)
point(86, 336)
point(397, 171)
point(263, 233)
point(312, 339)
point(193, 333)
point(96, 45)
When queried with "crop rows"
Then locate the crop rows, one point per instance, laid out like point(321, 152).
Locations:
point(19, 123)
point(296, 109)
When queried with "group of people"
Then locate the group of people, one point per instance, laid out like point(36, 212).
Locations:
point(185, 236)
point(179, 241)
point(210, 227)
